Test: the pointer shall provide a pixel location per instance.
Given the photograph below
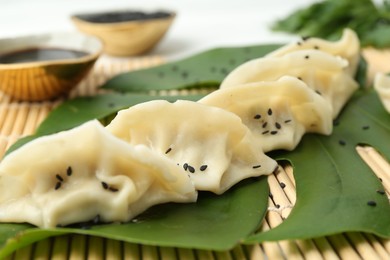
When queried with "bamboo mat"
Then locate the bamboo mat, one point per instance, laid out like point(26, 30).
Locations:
point(18, 119)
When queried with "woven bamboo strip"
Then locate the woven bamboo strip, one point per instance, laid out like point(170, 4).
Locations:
point(23, 253)
point(378, 247)
point(362, 246)
point(114, 249)
point(78, 247)
point(380, 167)
point(204, 254)
point(282, 204)
point(41, 250)
point(343, 248)
point(254, 252)
point(289, 189)
point(185, 253)
point(238, 252)
point(325, 248)
point(167, 253)
point(149, 252)
point(131, 251)
point(60, 248)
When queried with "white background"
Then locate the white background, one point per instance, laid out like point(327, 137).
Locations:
point(200, 24)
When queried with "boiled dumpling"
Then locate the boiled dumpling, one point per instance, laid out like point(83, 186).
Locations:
point(277, 112)
point(76, 175)
point(208, 143)
point(382, 86)
point(348, 47)
point(321, 71)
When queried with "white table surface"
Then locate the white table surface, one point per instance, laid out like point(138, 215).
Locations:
point(200, 24)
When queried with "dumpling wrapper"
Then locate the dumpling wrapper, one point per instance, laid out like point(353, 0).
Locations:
point(101, 175)
point(321, 71)
point(348, 47)
point(208, 143)
point(382, 87)
point(278, 112)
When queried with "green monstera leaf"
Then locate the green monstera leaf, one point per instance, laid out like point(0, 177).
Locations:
point(334, 186)
point(336, 191)
point(206, 69)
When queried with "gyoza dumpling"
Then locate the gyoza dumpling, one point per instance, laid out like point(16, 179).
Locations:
point(321, 71)
point(208, 143)
point(382, 87)
point(348, 47)
point(277, 112)
point(75, 175)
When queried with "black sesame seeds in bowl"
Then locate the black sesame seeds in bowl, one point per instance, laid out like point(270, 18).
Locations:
point(123, 16)
point(126, 32)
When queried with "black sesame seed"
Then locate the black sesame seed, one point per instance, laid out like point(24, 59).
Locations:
point(168, 150)
point(264, 125)
point(85, 226)
point(257, 116)
point(366, 127)
point(269, 112)
point(256, 166)
point(203, 167)
point(174, 68)
point(184, 74)
point(342, 142)
point(224, 71)
point(58, 185)
point(305, 38)
point(381, 192)
point(112, 189)
point(318, 92)
point(277, 206)
point(299, 78)
point(287, 121)
point(191, 169)
point(307, 57)
point(59, 177)
point(299, 43)
point(380, 179)
point(277, 125)
point(185, 166)
point(371, 203)
point(282, 185)
point(273, 132)
point(265, 132)
point(69, 171)
point(104, 185)
point(316, 47)
point(96, 219)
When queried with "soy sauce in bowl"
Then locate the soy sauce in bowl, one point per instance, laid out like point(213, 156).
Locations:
point(40, 54)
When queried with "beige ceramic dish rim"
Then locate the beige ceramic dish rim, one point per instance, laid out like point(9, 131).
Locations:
point(108, 26)
point(24, 42)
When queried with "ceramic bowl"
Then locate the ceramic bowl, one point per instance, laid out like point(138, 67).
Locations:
point(26, 75)
point(122, 32)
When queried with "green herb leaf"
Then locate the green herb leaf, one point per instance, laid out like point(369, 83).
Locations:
point(333, 184)
point(327, 19)
point(206, 69)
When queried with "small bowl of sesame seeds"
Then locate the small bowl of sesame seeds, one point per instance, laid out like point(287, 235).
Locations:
point(126, 32)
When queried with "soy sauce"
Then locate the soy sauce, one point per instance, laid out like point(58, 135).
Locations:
point(122, 16)
point(39, 54)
